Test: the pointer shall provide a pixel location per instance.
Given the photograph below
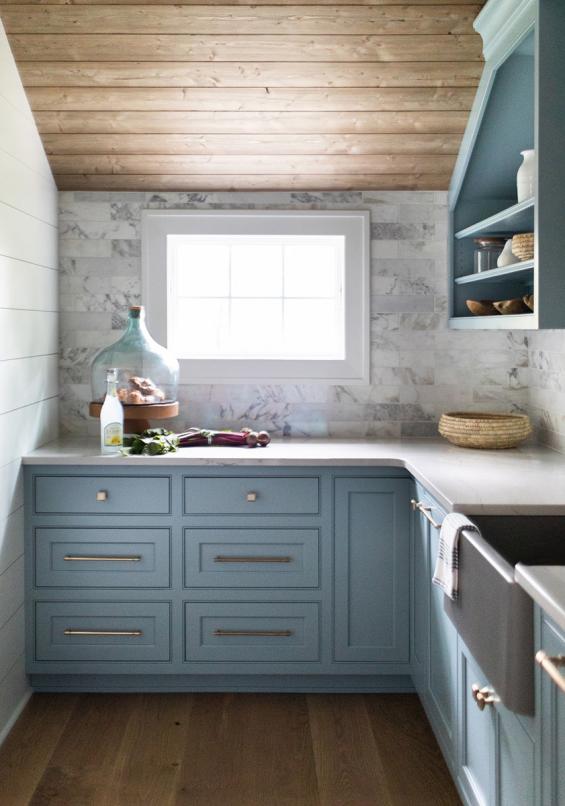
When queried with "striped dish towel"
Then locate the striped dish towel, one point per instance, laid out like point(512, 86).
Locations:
point(446, 574)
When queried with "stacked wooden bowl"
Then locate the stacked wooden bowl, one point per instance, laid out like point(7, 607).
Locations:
point(484, 429)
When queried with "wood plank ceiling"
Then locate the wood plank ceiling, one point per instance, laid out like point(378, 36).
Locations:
point(364, 94)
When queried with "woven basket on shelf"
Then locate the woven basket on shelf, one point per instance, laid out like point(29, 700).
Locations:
point(484, 430)
point(523, 245)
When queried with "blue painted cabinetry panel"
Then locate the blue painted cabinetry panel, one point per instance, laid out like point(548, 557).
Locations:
point(102, 558)
point(251, 558)
point(250, 554)
point(491, 752)
point(102, 631)
point(251, 495)
point(371, 558)
point(252, 631)
point(102, 495)
point(551, 703)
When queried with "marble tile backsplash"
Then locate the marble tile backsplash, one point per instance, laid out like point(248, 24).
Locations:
point(546, 392)
point(418, 367)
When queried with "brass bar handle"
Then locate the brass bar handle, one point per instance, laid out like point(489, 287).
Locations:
point(483, 696)
point(426, 512)
point(102, 495)
point(251, 497)
point(265, 633)
point(551, 665)
point(70, 631)
point(102, 558)
point(227, 558)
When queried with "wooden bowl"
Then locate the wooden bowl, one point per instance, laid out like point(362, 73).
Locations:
point(484, 430)
point(511, 306)
point(481, 307)
point(529, 301)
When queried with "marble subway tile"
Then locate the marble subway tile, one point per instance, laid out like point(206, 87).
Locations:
point(418, 368)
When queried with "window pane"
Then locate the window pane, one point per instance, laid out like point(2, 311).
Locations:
point(313, 329)
point(256, 328)
point(256, 270)
point(202, 270)
point(201, 327)
point(310, 270)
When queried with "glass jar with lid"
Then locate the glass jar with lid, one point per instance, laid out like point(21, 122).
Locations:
point(147, 372)
point(487, 251)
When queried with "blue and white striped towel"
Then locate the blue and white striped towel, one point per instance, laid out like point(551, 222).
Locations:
point(446, 574)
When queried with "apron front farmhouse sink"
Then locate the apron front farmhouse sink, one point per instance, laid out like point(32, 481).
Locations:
point(493, 614)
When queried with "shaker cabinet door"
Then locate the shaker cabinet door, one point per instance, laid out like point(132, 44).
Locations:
point(371, 561)
point(552, 711)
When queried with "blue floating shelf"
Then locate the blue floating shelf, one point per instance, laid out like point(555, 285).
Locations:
point(518, 218)
point(517, 271)
point(519, 321)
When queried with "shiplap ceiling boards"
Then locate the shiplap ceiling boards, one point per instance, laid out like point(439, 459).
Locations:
point(362, 94)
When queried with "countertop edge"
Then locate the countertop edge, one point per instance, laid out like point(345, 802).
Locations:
point(530, 578)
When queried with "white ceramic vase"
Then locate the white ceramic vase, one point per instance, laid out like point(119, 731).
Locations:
point(526, 178)
point(507, 257)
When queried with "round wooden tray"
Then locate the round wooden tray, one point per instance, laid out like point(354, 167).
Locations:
point(137, 418)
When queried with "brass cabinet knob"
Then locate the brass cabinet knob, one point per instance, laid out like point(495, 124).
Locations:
point(102, 495)
point(483, 696)
point(251, 497)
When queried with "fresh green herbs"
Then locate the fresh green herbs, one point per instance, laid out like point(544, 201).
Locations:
point(152, 442)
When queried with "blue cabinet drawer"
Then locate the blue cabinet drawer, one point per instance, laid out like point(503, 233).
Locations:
point(251, 631)
point(102, 631)
point(251, 495)
point(251, 558)
point(102, 495)
point(102, 558)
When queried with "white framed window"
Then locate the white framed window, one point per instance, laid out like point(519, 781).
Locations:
point(245, 295)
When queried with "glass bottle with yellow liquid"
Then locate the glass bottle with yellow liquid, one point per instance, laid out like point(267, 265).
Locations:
point(111, 416)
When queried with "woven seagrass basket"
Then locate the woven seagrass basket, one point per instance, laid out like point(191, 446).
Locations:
point(523, 245)
point(485, 430)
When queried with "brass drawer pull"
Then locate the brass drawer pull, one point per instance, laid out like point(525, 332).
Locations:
point(483, 696)
point(135, 633)
point(551, 665)
point(426, 512)
point(265, 633)
point(102, 558)
point(102, 495)
point(251, 497)
point(226, 558)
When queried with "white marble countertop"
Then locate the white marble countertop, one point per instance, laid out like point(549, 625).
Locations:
point(524, 481)
point(546, 586)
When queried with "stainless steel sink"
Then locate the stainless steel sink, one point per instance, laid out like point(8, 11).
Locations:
point(493, 615)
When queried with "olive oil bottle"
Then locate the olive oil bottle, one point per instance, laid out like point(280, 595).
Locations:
point(111, 417)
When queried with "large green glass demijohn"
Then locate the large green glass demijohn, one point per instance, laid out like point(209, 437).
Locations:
point(147, 372)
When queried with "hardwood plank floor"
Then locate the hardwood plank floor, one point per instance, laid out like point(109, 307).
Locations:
point(223, 750)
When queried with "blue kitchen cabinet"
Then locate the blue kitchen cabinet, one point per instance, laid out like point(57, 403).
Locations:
point(551, 705)
point(371, 568)
point(434, 640)
point(496, 758)
point(420, 600)
point(183, 573)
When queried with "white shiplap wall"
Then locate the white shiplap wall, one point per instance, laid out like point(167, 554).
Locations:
point(28, 351)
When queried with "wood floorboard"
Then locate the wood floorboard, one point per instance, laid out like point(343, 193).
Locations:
point(223, 750)
point(27, 750)
point(414, 767)
point(81, 770)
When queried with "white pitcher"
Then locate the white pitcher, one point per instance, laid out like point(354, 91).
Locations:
point(506, 257)
point(526, 178)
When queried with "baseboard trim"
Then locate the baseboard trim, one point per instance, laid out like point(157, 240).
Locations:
point(293, 684)
point(4, 732)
